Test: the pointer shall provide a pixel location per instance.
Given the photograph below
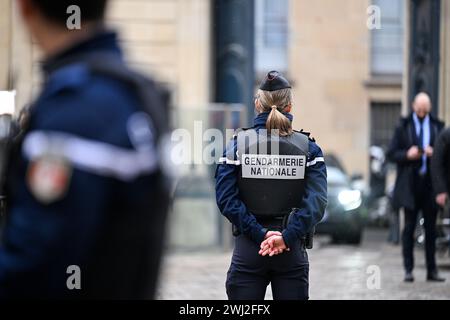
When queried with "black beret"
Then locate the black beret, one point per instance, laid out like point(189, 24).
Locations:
point(274, 81)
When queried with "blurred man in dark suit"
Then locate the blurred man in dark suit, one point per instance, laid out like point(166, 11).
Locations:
point(412, 148)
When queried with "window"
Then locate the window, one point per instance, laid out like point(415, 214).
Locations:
point(387, 42)
point(384, 117)
point(271, 35)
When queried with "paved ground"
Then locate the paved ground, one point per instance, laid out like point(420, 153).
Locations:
point(337, 272)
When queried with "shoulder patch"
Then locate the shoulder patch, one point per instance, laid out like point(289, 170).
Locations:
point(48, 178)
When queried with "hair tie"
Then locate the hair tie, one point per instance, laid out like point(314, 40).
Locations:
point(274, 107)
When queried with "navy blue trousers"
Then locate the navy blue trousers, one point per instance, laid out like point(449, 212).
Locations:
point(250, 274)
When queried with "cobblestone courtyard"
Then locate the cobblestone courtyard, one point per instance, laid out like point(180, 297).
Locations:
point(336, 272)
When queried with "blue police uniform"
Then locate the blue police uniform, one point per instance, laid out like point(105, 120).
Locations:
point(250, 273)
point(81, 187)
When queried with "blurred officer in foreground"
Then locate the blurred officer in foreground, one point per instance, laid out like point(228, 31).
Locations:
point(273, 198)
point(412, 148)
point(440, 168)
point(86, 198)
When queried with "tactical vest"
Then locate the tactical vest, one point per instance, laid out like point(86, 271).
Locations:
point(272, 172)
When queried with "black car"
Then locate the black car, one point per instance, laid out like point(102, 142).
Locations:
point(343, 219)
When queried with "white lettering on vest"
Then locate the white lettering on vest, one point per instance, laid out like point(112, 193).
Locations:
point(283, 167)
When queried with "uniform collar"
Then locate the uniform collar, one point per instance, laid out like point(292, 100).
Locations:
point(105, 41)
point(261, 119)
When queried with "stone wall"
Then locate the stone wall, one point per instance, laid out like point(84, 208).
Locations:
point(329, 63)
point(167, 39)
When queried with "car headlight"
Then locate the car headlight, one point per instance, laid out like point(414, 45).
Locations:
point(350, 199)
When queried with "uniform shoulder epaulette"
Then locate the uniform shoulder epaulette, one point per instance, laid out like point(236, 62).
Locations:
point(70, 77)
point(308, 134)
point(238, 130)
